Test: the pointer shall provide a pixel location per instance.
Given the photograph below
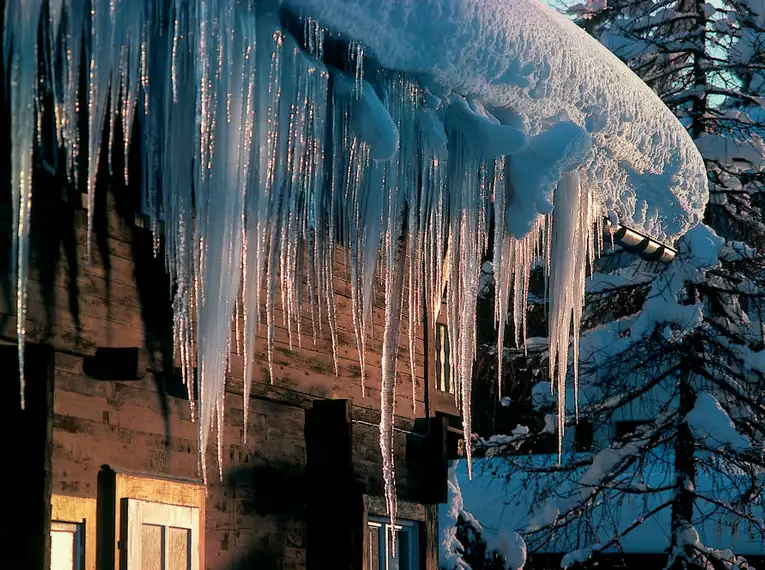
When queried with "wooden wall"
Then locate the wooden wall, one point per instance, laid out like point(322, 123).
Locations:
point(120, 298)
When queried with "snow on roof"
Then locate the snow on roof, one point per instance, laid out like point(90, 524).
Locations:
point(536, 66)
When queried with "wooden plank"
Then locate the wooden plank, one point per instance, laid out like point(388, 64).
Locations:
point(430, 538)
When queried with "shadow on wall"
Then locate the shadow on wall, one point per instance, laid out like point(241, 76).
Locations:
point(57, 248)
point(271, 494)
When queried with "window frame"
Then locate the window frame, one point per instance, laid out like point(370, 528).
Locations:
point(424, 518)
point(80, 511)
point(77, 530)
point(584, 436)
point(382, 524)
point(624, 430)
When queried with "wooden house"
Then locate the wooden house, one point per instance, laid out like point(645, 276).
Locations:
point(103, 460)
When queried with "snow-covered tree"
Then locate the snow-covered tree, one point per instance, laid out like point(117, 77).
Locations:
point(676, 351)
point(466, 545)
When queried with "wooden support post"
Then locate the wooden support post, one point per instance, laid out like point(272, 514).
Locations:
point(27, 435)
point(429, 537)
point(335, 502)
point(433, 462)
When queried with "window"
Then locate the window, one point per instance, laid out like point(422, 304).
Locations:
point(627, 428)
point(583, 436)
point(67, 546)
point(72, 533)
point(380, 549)
point(160, 522)
point(444, 375)
point(162, 537)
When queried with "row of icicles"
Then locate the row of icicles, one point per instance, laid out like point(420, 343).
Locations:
point(261, 161)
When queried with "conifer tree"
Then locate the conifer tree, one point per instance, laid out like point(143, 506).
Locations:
point(675, 350)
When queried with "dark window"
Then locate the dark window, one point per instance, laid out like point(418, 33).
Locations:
point(583, 436)
point(545, 444)
point(444, 373)
point(538, 444)
point(624, 429)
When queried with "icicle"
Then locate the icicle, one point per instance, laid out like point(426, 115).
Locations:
point(356, 60)
point(102, 17)
point(220, 414)
point(313, 38)
point(572, 225)
point(393, 294)
point(223, 140)
point(237, 321)
point(468, 201)
point(274, 172)
point(20, 50)
point(499, 263)
point(398, 179)
point(409, 141)
point(177, 193)
point(363, 211)
point(57, 67)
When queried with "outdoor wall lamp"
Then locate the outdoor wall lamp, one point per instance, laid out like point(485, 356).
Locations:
point(640, 244)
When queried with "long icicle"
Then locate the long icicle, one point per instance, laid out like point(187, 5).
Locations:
point(21, 23)
point(570, 236)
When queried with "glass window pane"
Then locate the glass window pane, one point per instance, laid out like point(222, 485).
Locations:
point(374, 547)
point(443, 366)
point(380, 555)
point(151, 547)
point(178, 549)
point(62, 550)
point(404, 550)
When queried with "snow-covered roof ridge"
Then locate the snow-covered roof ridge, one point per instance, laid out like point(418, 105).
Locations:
point(511, 56)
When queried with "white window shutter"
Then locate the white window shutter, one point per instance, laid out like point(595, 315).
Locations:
point(161, 536)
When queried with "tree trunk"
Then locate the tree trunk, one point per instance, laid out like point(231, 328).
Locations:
point(698, 112)
point(685, 463)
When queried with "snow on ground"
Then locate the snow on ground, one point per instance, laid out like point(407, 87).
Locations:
point(500, 497)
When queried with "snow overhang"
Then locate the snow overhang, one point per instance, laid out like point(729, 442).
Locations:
point(531, 68)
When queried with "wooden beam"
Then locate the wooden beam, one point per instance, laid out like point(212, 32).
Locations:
point(109, 363)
